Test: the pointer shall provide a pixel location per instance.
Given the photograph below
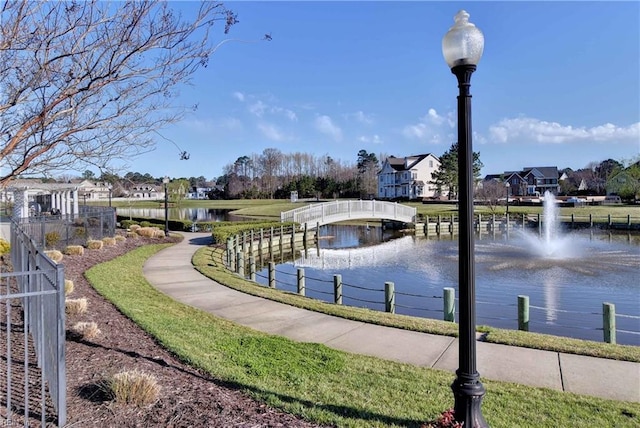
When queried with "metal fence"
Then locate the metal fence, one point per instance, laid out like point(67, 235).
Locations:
point(32, 311)
point(58, 231)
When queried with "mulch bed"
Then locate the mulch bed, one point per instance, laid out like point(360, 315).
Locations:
point(188, 398)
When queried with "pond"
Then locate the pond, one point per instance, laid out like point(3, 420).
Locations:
point(193, 214)
point(566, 289)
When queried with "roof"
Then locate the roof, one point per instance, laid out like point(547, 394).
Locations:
point(410, 161)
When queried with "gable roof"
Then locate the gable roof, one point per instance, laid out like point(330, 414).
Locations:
point(408, 162)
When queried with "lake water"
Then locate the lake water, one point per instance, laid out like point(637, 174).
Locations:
point(566, 292)
point(193, 214)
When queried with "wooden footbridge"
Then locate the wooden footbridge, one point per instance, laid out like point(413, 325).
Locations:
point(335, 211)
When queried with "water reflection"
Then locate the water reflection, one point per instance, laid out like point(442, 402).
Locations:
point(193, 214)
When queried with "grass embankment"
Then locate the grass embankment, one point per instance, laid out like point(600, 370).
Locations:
point(326, 385)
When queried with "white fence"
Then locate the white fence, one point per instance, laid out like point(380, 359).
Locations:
point(335, 211)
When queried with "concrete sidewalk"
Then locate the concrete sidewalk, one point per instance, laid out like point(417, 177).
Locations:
point(171, 272)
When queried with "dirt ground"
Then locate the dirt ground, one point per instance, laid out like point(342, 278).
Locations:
point(188, 398)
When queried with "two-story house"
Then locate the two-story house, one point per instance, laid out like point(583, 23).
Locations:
point(408, 177)
point(531, 181)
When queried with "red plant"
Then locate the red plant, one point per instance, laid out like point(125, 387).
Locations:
point(445, 420)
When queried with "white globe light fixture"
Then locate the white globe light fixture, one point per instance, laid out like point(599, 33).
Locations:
point(462, 49)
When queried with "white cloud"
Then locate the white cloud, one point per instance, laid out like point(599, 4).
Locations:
point(271, 131)
point(325, 125)
point(289, 114)
point(431, 128)
point(530, 129)
point(361, 117)
point(239, 96)
point(374, 139)
point(258, 108)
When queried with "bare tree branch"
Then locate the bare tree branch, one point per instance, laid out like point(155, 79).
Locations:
point(89, 82)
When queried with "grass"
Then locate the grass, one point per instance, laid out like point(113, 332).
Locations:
point(325, 385)
point(208, 261)
point(133, 387)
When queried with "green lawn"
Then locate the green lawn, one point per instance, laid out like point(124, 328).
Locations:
point(325, 385)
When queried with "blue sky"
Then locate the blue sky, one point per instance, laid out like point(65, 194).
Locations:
point(558, 84)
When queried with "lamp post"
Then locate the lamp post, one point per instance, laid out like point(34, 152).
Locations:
point(165, 181)
point(507, 185)
point(462, 48)
point(110, 190)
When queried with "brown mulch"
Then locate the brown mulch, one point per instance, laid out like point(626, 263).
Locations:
point(188, 398)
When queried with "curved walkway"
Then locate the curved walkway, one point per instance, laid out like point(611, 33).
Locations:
point(171, 272)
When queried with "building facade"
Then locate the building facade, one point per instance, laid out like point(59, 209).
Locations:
point(408, 177)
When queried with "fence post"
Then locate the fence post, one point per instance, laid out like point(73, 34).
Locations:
point(609, 220)
point(449, 297)
point(629, 220)
point(229, 250)
point(438, 225)
point(493, 222)
point(591, 221)
point(573, 226)
point(240, 267)
point(272, 275)
point(451, 225)
point(609, 321)
point(301, 284)
point(426, 225)
point(389, 297)
point(539, 224)
point(523, 313)
point(478, 228)
point(252, 267)
point(337, 289)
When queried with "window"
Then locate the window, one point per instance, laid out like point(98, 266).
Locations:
point(430, 164)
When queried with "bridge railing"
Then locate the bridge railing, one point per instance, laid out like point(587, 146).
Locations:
point(343, 210)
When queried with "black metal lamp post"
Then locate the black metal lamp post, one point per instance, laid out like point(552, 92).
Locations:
point(110, 190)
point(462, 48)
point(507, 185)
point(165, 181)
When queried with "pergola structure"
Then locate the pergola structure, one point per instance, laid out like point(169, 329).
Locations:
point(58, 198)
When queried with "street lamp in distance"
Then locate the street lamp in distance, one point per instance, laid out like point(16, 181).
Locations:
point(165, 181)
point(462, 48)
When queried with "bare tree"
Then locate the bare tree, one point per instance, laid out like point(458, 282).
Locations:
point(87, 83)
point(491, 192)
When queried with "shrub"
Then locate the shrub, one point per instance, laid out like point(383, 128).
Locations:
point(51, 239)
point(160, 234)
point(5, 247)
point(127, 224)
point(120, 238)
point(74, 250)
point(94, 244)
point(131, 234)
point(145, 223)
point(134, 227)
point(133, 387)
point(109, 241)
point(76, 306)
point(54, 255)
point(80, 232)
point(68, 286)
point(86, 330)
point(148, 232)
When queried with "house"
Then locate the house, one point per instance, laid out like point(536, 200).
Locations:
point(146, 191)
point(93, 190)
point(531, 181)
point(408, 177)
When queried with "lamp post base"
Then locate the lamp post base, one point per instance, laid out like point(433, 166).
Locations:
point(468, 393)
